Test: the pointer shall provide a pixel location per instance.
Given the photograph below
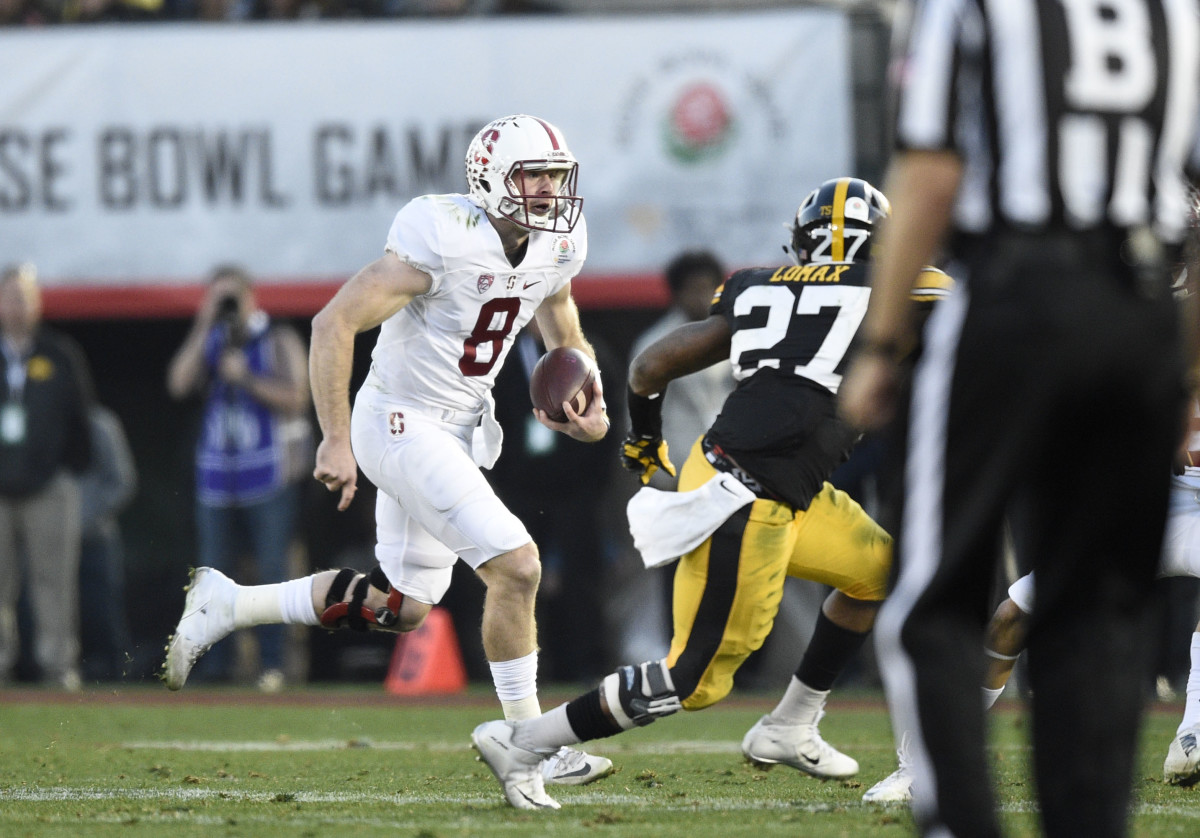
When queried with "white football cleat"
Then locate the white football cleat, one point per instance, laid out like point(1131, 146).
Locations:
point(569, 767)
point(518, 770)
point(1182, 766)
point(897, 786)
point(800, 746)
point(207, 617)
point(894, 788)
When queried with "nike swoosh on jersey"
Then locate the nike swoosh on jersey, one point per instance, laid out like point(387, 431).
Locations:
point(530, 284)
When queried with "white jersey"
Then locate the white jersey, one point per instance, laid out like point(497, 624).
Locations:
point(444, 349)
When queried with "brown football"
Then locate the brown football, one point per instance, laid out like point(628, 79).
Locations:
point(562, 375)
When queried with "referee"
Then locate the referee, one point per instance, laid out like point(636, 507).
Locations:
point(1043, 144)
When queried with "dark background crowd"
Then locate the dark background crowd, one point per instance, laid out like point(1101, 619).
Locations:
point(43, 12)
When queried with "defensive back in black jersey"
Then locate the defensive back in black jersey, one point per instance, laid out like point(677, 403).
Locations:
point(792, 328)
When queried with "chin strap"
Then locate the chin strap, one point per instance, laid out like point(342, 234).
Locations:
point(352, 613)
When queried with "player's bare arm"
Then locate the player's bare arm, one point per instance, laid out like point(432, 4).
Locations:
point(558, 319)
point(374, 294)
point(690, 348)
point(922, 186)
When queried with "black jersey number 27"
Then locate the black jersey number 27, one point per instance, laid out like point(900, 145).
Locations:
point(791, 330)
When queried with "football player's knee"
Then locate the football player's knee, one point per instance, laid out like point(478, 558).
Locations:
point(872, 582)
point(363, 602)
point(519, 571)
point(639, 695)
point(412, 615)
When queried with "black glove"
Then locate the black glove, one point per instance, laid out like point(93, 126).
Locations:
point(644, 455)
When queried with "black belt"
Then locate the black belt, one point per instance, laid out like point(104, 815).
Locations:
point(1135, 255)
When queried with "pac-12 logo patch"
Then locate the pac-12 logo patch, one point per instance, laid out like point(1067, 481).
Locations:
point(485, 282)
point(395, 423)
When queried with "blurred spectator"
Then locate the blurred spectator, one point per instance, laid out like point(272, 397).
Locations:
point(110, 11)
point(106, 488)
point(309, 9)
point(44, 398)
point(641, 603)
point(692, 402)
point(41, 12)
point(255, 444)
point(26, 13)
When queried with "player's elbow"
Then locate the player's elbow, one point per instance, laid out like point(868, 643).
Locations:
point(646, 375)
point(321, 322)
point(327, 326)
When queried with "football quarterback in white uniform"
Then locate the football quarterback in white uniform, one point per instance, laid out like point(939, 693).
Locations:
point(433, 367)
point(459, 277)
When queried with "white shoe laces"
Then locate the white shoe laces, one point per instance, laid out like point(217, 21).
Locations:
point(566, 759)
point(902, 753)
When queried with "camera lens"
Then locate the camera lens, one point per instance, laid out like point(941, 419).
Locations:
point(227, 308)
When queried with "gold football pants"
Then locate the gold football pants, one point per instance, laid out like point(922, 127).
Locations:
point(727, 591)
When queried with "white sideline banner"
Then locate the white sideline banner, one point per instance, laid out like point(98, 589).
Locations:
point(135, 154)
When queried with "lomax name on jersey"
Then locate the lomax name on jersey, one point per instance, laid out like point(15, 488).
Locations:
point(810, 273)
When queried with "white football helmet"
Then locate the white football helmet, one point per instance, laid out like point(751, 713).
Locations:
point(508, 150)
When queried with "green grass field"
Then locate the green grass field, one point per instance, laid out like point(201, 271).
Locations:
point(346, 762)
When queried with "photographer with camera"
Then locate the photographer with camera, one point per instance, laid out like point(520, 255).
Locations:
point(254, 443)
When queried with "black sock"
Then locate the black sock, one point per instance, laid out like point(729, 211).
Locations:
point(588, 719)
point(831, 648)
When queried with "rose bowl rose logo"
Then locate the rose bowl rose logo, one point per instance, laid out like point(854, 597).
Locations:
point(564, 250)
point(699, 124)
point(698, 111)
point(698, 118)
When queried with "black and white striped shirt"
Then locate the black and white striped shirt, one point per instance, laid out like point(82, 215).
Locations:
point(1067, 114)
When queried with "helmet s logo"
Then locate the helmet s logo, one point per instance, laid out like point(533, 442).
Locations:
point(489, 141)
point(485, 282)
point(395, 423)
